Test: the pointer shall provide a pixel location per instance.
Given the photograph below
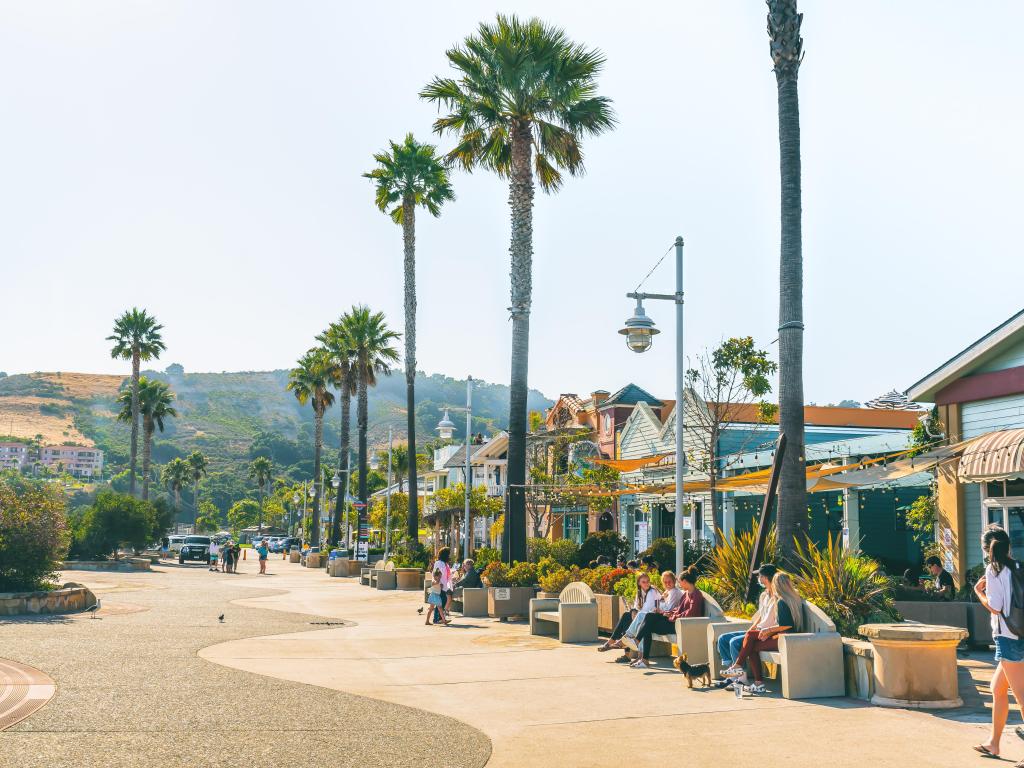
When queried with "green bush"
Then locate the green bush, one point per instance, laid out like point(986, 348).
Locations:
point(412, 555)
point(537, 548)
point(730, 566)
point(558, 579)
point(608, 543)
point(485, 556)
point(522, 574)
point(33, 534)
point(496, 575)
point(626, 586)
point(563, 551)
point(116, 520)
point(850, 588)
point(663, 552)
point(546, 565)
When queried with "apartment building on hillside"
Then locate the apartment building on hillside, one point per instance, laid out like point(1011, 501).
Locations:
point(13, 455)
point(77, 460)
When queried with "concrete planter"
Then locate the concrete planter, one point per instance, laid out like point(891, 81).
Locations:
point(294, 556)
point(67, 599)
point(125, 564)
point(313, 560)
point(914, 665)
point(609, 610)
point(409, 578)
point(858, 667)
point(503, 602)
point(544, 595)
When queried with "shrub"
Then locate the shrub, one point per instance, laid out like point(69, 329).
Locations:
point(496, 575)
point(115, 520)
point(730, 566)
point(663, 552)
point(592, 576)
point(611, 544)
point(522, 574)
point(412, 555)
point(485, 556)
point(33, 534)
point(850, 588)
point(537, 548)
point(564, 552)
point(611, 578)
point(558, 579)
point(626, 586)
point(546, 565)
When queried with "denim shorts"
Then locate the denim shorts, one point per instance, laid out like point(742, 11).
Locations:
point(1008, 649)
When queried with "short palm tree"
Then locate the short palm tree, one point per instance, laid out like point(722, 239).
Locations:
point(371, 340)
point(155, 404)
point(175, 476)
point(786, 48)
point(524, 99)
point(199, 465)
point(335, 340)
point(136, 337)
point(311, 381)
point(407, 176)
point(261, 471)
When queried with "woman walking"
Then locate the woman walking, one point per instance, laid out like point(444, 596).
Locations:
point(263, 550)
point(995, 592)
point(442, 565)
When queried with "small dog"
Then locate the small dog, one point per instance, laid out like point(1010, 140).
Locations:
point(700, 672)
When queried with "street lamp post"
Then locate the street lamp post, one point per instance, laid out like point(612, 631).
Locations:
point(446, 429)
point(387, 514)
point(639, 332)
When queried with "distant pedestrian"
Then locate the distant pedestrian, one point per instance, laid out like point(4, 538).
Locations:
point(441, 565)
point(214, 554)
point(263, 550)
point(435, 598)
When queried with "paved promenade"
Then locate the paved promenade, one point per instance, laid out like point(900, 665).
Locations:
point(328, 673)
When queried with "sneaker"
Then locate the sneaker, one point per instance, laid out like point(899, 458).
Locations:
point(727, 684)
point(623, 659)
point(755, 688)
point(733, 672)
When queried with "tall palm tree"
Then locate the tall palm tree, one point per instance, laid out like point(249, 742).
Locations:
point(154, 400)
point(136, 337)
point(410, 175)
point(261, 470)
point(311, 381)
point(335, 340)
point(199, 465)
point(175, 476)
point(787, 52)
point(371, 340)
point(524, 99)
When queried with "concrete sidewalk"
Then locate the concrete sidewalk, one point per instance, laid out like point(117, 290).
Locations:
point(545, 704)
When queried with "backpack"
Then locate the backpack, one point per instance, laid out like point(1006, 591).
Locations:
point(1014, 617)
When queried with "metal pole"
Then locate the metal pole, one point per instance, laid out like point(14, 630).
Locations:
point(302, 524)
point(387, 515)
point(466, 545)
point(680, 412)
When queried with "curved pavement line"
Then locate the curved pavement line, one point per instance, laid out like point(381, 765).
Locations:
point(23, 690)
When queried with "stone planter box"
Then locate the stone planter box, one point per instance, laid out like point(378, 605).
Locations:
point(859, 669)
point(409, 578)
point(544, 595)
point(67, 599)
point(125, 564)
point(313, 560)
point(609, 609)
point(503, 602)
point(294, 556)
point(914, 665)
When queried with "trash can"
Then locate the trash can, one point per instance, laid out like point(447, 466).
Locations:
point(294, 556)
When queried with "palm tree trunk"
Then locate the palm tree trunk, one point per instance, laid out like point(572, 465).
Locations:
point(147, 452)
point(784, 31)
point(361, 418)
point(134, 448)
point(195, 496)
point(259, 518)
point(318, 444)
point(409, 241)
point(343, 456)
point(521, 250)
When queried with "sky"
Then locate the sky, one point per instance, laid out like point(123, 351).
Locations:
point(202, 160)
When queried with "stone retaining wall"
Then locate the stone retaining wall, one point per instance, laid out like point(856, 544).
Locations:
point(124, 564)
point(68, 599)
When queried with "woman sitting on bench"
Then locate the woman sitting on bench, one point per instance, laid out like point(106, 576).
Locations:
point(680, 602)
point(646, 600)
point(789, 616)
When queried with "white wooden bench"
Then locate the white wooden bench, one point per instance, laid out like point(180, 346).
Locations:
point(691, 634)
point(572, 616)
point(809, 663)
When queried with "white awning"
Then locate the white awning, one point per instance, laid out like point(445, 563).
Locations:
point(995, 456)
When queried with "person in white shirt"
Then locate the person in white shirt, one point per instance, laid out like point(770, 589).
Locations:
point(646, 600)
point(442, 565)
point(214, 554)
point(730, 643)
point(995, 591)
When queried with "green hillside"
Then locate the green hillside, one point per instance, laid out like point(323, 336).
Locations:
point(232, 417)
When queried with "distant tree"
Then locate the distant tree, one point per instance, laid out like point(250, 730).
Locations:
point(136, 337)
point(175, 476)
point(199, 465)
point(336, 340)
point(155, 404)
point(729, 381)
point(175, 369)
point(208, 519)
point(408, 176)
point(117, 520)
point(261, 471)
point(243, 514)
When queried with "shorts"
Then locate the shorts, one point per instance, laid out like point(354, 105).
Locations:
point(435, 599)
point(1008, 649)
point(213, 558)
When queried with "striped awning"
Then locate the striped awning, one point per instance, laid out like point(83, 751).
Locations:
point(995, 456)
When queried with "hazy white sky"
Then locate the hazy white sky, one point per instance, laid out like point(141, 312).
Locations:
point(202, 159)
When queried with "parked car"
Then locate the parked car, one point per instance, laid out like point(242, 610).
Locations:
point(278, 543)
point(286, 544)
point(195, 548)
point(175, 543)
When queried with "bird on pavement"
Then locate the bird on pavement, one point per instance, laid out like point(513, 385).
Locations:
point(420, 610)
point(221, 618)
point(93, 608)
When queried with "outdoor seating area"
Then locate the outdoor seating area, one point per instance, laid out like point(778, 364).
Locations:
point(573, 614)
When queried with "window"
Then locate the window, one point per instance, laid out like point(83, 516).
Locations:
point(607, 423)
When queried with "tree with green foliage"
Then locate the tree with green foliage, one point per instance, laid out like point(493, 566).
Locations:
point(408, 176)
point(524, 99)
point(311, 381)
point(199, 465)
point(208, 519)
point(116, 520)
point(34, 533)
point(453, 500)
point(786, 48)
point(155, 404)
point(136, 337)
point(175, 475)
point(730, 382)
point(260, 471)
point(336, 340)
point(371, 340)
point(243, 514)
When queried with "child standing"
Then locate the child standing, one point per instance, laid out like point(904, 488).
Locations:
point(435, 598)
point(214, 553)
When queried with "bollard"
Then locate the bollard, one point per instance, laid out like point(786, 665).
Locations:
point(243, 553)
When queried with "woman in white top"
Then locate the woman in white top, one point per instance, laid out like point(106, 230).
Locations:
point(995, 591)
point(646, 600)
point(441, 564)
point(655, 622)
